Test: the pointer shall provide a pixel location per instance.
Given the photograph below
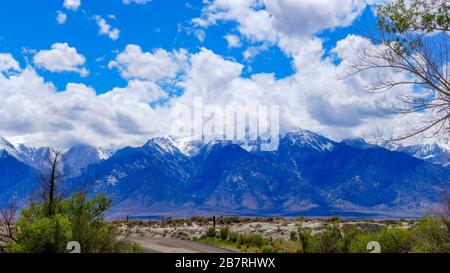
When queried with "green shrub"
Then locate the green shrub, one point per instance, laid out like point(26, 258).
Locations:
point(211, 232)
point(268, 249)
point(360, 241)
point(224, 233)
point(306, 240)
point(43, 234)
point(395, 240)
point(249, 239)
point(330, 240)
point(284, 246)
point(349, 234)
point(76, 219)
point(233, 237)
point(430, 236)
point(293, 236)
point(258, 240)
point(88, 225)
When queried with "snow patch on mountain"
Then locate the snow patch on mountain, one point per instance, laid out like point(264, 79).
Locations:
point(189, 146)
point(74, 159)
point(436, 153)
point(79, 157)
point(309, 139)
point(8, 147)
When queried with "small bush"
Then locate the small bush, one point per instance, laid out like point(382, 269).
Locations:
point(306, 240)
point(248, 239)
point(224, 233)
point(78, 218)
point(268, 249)
point(359, 243)
point(211, 232)
point(395, 240)
point(42, 235)
point(283, 246)
point(430, 236)
point(349, 234)
point(293, 236)
point(233, 237)
point(330, 240)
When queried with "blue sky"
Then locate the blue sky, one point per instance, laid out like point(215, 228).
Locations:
point(110, 73)
point(30, 24)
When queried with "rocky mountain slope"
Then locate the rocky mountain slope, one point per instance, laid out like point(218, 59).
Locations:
point(309, 174)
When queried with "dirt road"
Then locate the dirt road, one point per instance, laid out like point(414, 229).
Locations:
point(177, 246)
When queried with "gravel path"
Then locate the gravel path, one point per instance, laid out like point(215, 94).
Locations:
point(177, 246)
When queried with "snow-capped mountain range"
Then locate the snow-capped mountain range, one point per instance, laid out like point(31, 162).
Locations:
point(308, 174)
point(74, 159)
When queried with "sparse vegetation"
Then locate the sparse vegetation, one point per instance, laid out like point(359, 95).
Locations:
point(76, 219)
point(48, 225)
point(428, 235)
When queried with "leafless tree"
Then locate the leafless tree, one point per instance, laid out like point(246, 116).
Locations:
point(420, 51)
point(8, 217)
point(50, 178)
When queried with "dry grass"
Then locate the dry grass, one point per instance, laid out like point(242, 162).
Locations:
point(270, 227)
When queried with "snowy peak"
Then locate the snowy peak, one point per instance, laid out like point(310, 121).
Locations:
point(5, 143)
point(74, 160)
point(435, 153)
point(187, 146)
point(28, 155)
point(86, 151)
point(79, 157)
point(8, 147)
point(309, 139)
point(190, 146)
point(163, 145)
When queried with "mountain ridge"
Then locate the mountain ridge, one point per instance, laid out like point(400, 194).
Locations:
point(308, 172)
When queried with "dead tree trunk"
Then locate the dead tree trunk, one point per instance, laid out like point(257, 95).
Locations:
point(50, 182)
point(8, 217)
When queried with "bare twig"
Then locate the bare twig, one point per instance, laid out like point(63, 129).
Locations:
point(8, 217)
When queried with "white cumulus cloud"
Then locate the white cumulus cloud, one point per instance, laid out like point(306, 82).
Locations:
point(72, 4)
point(307, 17)
point(61, 17)
point(140, 2)
point(233, 41)
point(160, 64)
point(286, 23)
point(7, 62)
point(61, 58)
point(33, 111)
point(107, 29)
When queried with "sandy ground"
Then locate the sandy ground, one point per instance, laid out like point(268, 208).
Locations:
point(176, 246)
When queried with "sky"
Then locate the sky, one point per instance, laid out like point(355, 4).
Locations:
point(110, 73)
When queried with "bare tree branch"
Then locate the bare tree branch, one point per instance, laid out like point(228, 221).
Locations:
point(8, 217)
point(50, 179)
point(412, 50)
